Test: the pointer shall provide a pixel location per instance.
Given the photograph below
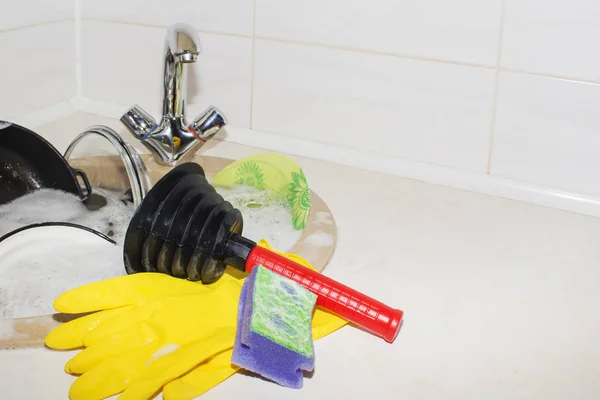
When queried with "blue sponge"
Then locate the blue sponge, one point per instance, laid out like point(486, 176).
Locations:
point(274, 334)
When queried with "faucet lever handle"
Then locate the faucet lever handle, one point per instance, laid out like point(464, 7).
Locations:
point(138, 121)
point(207, 124)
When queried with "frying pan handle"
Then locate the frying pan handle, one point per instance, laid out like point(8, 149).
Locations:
point(86, 182)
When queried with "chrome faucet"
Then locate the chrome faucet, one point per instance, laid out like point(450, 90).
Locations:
point(172, 138)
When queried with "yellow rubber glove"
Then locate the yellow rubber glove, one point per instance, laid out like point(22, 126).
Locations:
point(156, 332)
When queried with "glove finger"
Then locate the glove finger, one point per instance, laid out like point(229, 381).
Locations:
point(70, 335)
point(120, 291)
point(177, 363)
point(114, 346)
point(324, 323)
point(216, 370)
point(111, 376)
point(202, 378)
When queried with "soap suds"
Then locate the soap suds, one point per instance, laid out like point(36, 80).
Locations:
point(319, 239)
point(267, 215)
point(33, 275)
point(323, 218)
point(8, 331)
point(48, 205)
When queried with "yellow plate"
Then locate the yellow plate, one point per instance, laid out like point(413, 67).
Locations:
point(271, 171)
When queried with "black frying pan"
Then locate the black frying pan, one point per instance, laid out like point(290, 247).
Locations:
point(28, 162)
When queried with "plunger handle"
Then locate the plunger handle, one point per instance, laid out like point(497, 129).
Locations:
point(354, 306)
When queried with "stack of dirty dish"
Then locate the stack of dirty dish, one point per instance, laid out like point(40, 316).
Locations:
point(50, 237)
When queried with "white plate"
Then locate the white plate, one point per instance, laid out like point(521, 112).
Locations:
point(50, 228)
point(40, 262)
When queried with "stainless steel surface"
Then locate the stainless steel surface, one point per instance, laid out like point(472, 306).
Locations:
point(206, 125)
point(172, 137)
point(138, 121)
point(139, 178)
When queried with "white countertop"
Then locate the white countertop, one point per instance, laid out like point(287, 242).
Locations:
point(500, 297)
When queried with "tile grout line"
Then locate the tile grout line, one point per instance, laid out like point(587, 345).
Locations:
point(18, 28)
point(376, 52)
point(551, 76)
point(109, 21)
point(350, 148)
point(78, 33)
point(310, 44)
point(496, 90)
point(252, 62)
point(354, 50)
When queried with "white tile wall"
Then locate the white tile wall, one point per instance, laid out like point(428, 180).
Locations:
point(414, 81)
point(122, 64)
point(556, 37)
point(454, 30)
point(548, 132)
point(433, 112)
point(38, 68)
point(227, 16)
point(17, 14)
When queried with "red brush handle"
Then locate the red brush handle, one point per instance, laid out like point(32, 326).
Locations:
point(354, 306)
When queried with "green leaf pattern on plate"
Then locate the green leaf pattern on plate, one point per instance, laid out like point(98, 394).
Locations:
point(249, 173)
point(299, 198)
point(282, 311)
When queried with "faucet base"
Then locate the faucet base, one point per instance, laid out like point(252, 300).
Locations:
point(171, 139)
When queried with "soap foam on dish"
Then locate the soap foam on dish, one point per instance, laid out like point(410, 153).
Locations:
point(48, 205)
point(39, 264)
point(29, 285)
point(8, 331)
point(319, 239)
point(267, 215)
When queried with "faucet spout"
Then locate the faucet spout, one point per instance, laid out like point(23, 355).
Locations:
point(171, 138)
point(182, 46)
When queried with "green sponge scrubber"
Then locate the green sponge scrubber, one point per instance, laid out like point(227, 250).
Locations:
point(274, 335)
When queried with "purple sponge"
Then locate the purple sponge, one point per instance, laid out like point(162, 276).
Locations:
point(265, 343)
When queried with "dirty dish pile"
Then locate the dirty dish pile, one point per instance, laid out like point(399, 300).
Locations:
point(63, 242)
point(50, 242)
point(48, 205)
point(58, 232)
